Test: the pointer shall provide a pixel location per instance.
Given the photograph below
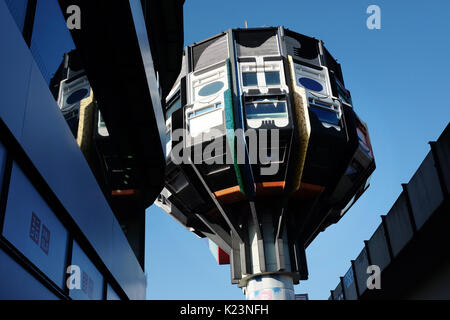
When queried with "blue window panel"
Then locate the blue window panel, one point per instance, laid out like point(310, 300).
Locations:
point(272, 78)
point(91, 279)
point(326, 116)
point(17, 284)
point(205, 110)
point(211, 88)
point(310, 84)
point(249, 79)
point(111, 294)
point(77, 96)
point(15, 66)
point(266, 110)
point(31, 226)
point(18, 9)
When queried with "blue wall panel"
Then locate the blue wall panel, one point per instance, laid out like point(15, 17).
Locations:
point(425, 191)
point(361, 275)
point(378, 249)
point(15, 66)
point(2, 164)
point(31, 226)
point(133, 279)
point(399, 225)
point(30, 112)
point(17, 284)
point(91, 287)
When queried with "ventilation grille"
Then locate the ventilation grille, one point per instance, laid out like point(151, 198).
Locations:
point(257, 43)
point(211, 52)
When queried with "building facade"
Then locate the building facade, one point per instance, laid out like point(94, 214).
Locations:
point(68, 229)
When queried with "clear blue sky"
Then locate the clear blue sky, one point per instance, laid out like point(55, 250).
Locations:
point(399, 79)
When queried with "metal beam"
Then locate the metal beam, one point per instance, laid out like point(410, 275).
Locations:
point(259, 237)
point(219, 235)
point(279, 245)
point(229, 220)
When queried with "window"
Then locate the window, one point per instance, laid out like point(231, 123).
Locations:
point(77, 96)
point(91, 287)
point(310, 84)
point(327, 116)
point(32, 227)
point(326, 113)
point(17, 283)
point(102, 130)
point(202, 120)
point(101, 121)
point(249, 79)
point(344, 95)
point(211, 88)
point(266, 108)
point(364, 140)
point(173, 106)
point(201, 111)
point(272, 78)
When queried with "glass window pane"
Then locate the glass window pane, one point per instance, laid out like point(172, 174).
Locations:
point(18, 9)
point(175, 106)
point(272, 78)
point(249, 79)
point(91, 279)
point(204, 110)
point(211, 88)
point(32, 227)
point(266, 110)
point(326, 116)
point(344, 96)
point(51, 38)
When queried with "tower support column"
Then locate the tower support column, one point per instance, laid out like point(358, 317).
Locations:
point(270, 287)
point(268, 281)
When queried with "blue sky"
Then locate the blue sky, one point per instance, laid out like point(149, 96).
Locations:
point(399, 78)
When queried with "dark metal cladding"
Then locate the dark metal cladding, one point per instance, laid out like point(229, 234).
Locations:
point(302, 48)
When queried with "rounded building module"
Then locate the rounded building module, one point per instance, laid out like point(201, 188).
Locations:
point(264, 151)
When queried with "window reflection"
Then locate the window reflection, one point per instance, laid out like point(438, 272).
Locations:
point(266, 109)
point(326, 116)
point(51, 38)
point(18, 9)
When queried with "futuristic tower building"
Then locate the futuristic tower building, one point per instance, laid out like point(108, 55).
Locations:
point(264, 151)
